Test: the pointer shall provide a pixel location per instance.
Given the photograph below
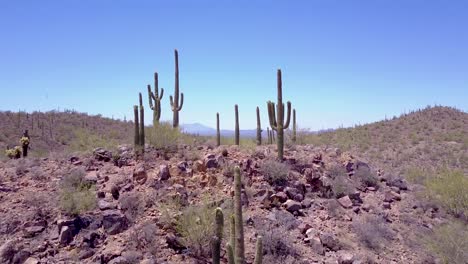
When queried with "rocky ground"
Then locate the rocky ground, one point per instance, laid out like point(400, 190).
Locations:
point(328, 207)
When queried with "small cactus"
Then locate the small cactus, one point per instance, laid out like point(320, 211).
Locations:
point(259, 128)
point(156, 107)
point(218, 132)
point(175, 101)
point(230, 253)
point(277, 122)
point(237, 133)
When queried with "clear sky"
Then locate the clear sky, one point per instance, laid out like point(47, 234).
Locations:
point(343, 62)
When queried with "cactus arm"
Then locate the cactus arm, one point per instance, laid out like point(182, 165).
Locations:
point(137, 126)
point(162, 94)
point(218, 237)
point(288, 116)
point(181, 102)
point(232, 231)
point(150, 97)
point(272, 115)
point(172, 102)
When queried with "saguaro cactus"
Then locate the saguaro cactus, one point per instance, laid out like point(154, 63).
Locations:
point(175, 101)
point(237, 133)
point(156, 107)
point(218, 133)
point(294, 126)
point(259, 251)
point(277, 121)
point(239, 232)
point(218, 237)
point(268, 136)
point(137, 126)
point(259, 128)
point(142, 123)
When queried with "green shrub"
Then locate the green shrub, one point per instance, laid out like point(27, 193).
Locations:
point(416, 175)
point(449, 188)
point(163, 136)
point(449, 242)
point(86, 140)
point(196, 226)
point(372, 231)
point(275, 172)
point(76, 195)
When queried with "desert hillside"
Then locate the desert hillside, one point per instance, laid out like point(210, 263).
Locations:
point(346, 197)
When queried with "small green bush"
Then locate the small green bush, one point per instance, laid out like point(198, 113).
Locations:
point(449, 242)
point(373, 232)
point(449, 188)
point(85, 140)
point(76, 195)
point(163, 136)
point(275, 172)
point(196, 226)
point(132, 205)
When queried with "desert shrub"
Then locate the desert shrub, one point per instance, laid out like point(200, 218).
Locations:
point(75, 194)
point(85, 140)
point(196, 226)
point(285, 220)
point(169, 208)
point(275, 172)
point(37, 174)
point(449, 188)
point(342, 186)
point(416, 175)
point(373, 231)
point(143, 238)
point(337, 171)
point(228, 169)
point(163, 136)
point(449, 242)
point(366, 177)
point(132, 205)
point(278, 243)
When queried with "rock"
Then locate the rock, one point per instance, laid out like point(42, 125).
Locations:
point(280, 196)
point(86, 253)
point(119, 260)
point(316, 245)
point(115, 191)
point(164, 173)
point(394, 181)
point(307, 203)
point(386, 205)
point(139, 173)
point(21, 256)
point(31, 260)
point(7, 251)
point(182, 166)
point(148, 261)
point(91, 177)
point(345, 257)
point(292, 206)
point(32, 231)
point(329, 241)
point(199, 166)
point(102, 154)
point(114, 222)
point(390, 196)
point(211, 163)
point(345, 202)
point(355, 198)
point(105, 205)
point(291, 192)
point(304, 227)
point(66, 235)
point(174, 242)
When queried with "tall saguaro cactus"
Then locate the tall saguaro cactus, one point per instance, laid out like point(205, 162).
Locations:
point(294, 126)
point(237, 133)
point(175, 101)
point(156, 107)
point(239, 232)
point(137, 126)
point(259, 128)
point(142, 123)
point(277, 120)
point(218, 133)
point(269, 141)
point(218, 237)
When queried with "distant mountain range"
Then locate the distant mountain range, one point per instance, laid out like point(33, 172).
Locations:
point(203, 130)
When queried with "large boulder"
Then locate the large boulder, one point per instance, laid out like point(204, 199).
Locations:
point(292, 206)
point(102, 154)
point(164, 173)
point(139, 173)
point(114, 222)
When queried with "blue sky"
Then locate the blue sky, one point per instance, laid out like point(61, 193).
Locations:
point(343, 62)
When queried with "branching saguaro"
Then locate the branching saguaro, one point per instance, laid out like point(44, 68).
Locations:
point(277, 120)
point(237, 132)
point(218, 132)
point(156, 107)
point(175, 101)
point(259, 128)
point(235, 247)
